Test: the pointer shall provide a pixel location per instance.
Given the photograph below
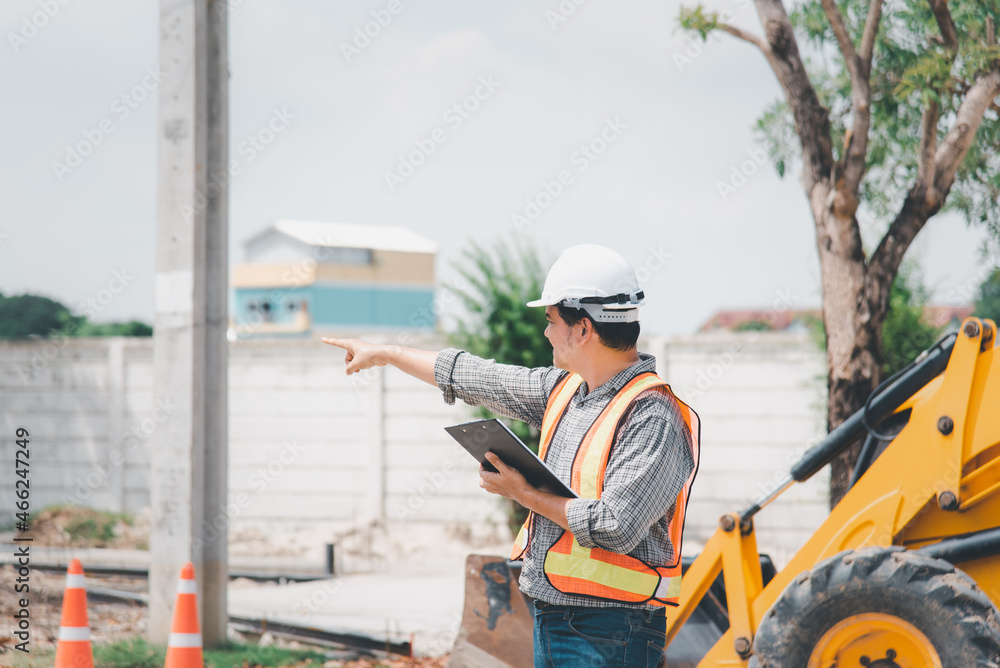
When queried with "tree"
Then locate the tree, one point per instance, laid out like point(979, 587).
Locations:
point(22, 316)
point(500, 326)
point(988, 304)
point(25, 316)
point(892, 116)
point(130, 328)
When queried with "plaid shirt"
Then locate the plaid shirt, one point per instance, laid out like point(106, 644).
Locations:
point(649, 463)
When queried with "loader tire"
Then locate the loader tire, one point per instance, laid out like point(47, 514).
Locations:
point(881, 608)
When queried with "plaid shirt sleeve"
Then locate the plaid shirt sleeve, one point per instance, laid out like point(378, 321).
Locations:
point(647, 469)
point(512, 391)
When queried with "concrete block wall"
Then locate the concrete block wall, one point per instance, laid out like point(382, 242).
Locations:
point(311, 448)
point(762, 401)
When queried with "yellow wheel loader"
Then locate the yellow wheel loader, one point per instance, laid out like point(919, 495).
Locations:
point(904, 573)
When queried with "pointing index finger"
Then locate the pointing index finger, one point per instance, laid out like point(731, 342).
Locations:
point(333, 341)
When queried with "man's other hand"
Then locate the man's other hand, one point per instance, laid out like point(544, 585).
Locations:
point(507, 481)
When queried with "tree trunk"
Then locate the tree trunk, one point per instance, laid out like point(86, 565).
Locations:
point(853, 323)
point(850, 381)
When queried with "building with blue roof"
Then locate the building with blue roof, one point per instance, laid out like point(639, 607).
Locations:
point(304, 278)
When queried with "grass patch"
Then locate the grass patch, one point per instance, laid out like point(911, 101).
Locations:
point(78, 526)
point(129, 653)
point(137, 653)
point(251, 656)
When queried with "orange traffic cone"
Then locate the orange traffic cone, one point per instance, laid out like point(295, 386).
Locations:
point(74, 650)
point(184, 647)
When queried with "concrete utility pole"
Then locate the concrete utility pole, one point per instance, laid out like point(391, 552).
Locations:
point(189, 446)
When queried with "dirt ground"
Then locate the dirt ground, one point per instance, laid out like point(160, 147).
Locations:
point(362, 548)
point(110, 622)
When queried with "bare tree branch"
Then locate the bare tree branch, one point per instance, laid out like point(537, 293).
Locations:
point(859, 67)
point(836, 20)
point(925, 199)
point(957, 142)
point(945, 23)
point(812, 119)
point(745, 36)
point(861, 96)
point(868, 36)
point(928, 143)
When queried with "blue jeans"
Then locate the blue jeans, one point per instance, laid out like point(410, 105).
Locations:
point(570, 636)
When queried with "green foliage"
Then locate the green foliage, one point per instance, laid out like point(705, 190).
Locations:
point(85, 527)
point(26, 316)
point(697, 20)
point(817, 330)
point(905, 334)
point(129, 653)
point(22, 316)
point(988, 304)
point(910, 67)
point(500, 326)
point(753, 326)
point(235, 655)
point(130, 328)
point(98, 528)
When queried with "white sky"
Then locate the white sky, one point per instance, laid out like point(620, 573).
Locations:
point(654, 190)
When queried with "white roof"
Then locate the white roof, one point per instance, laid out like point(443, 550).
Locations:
point(353, 235)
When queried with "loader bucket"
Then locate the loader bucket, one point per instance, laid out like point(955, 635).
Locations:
point(497, 623)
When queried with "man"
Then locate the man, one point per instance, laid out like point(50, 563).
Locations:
point(603, 567)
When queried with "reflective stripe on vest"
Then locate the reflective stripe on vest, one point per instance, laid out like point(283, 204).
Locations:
point(595, 572)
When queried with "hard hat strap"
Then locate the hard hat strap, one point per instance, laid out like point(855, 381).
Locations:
point(620, 298)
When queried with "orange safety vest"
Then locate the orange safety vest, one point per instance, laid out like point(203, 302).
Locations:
point(596, 572)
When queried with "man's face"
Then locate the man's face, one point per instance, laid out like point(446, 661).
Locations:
point(559, 335)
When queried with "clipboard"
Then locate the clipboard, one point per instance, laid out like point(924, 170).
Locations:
point(481, 436)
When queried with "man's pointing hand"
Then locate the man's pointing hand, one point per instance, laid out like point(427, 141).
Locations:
point(361, 355)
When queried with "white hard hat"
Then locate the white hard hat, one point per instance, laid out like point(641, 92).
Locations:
point(596, 279)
